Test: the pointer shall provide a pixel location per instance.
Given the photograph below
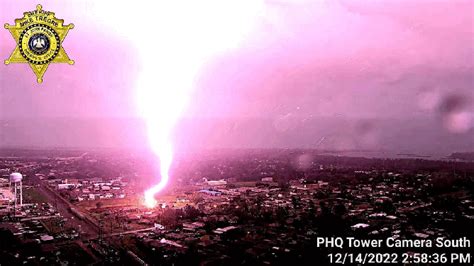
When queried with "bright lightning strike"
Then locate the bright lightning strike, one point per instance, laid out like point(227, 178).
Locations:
point(175, 38)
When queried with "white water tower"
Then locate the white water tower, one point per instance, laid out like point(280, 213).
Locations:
point(15, 185)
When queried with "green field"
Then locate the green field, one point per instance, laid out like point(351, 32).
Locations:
point(32, 195)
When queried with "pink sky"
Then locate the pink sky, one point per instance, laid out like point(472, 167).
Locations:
point(350, 59)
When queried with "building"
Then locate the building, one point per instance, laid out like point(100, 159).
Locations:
point(221, 182)
point(6, 197)
point(66, 186)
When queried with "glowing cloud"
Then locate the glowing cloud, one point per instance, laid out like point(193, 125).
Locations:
point(174, 39)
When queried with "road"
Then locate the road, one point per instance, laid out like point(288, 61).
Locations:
point(86, 228)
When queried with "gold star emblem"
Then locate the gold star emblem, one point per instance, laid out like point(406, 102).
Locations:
point(39, 36)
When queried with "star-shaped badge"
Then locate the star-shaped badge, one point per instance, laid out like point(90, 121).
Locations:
point(39, 36)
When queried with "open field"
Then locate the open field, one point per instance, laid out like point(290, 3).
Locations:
point(115, 203)
point(109, 203)
point(32, 195)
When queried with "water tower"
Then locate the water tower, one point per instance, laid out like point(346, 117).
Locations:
point(15, 185)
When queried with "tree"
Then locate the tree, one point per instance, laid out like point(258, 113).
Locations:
point(169, 218)
point(197, 199)
point(190, 212)
point(339, 210)
point(284, 186)
point(295, 201)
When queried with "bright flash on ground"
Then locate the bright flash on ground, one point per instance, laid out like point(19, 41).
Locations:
point(174, 39)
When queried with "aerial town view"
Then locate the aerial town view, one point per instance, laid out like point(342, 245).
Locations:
point(262, 207)
point(236, 132)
